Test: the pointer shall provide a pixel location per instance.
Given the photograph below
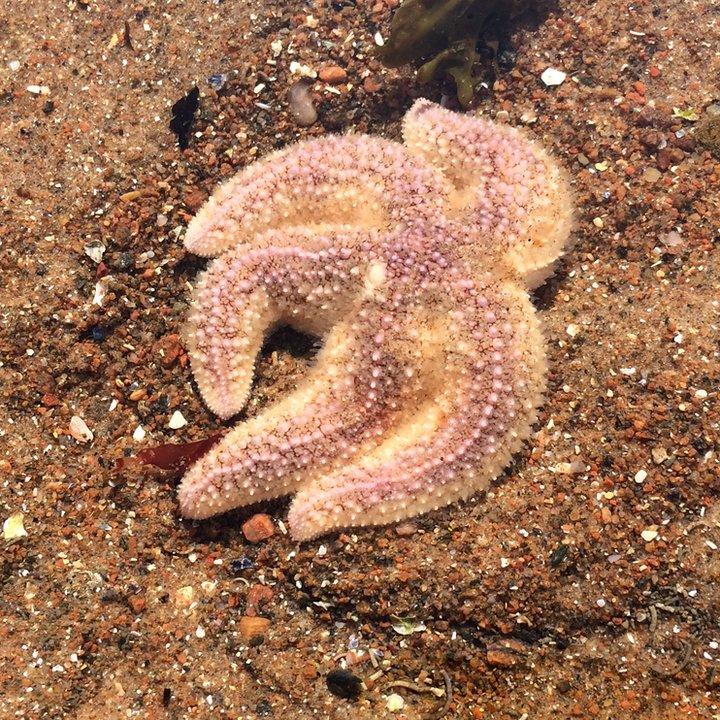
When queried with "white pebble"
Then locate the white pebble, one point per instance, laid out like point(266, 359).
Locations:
point(297, 68)
point(640, 476)
point(552, 77)
point(649, 534)
point(139, 434)
point(14, 527)
point(95, 250)
point(177, 421)
point(79, 430)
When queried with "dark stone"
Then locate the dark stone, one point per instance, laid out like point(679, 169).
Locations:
point(237, 566)
point(344, 684)
point(183, 114)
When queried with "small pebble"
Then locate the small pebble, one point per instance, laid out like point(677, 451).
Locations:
point(14, 527)
point(552, 77)
point(137, 603)
point(38, 89)
point(237, 566)
point(177, 421)
point(334, 75)
point(217, 81)
point(300, 103)
point(344, 684)
point(139, 434)
point(395, 702)
point(259, 527)
point(79, 430)
point(297, 68)
point(649, 534)
point(185, 596)
point(95, 250)
point(250, 627)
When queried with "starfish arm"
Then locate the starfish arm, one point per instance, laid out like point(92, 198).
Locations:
point(457, 441)
point(341, 409)
point(308, 281)
point(504, 183)
point(346, 181)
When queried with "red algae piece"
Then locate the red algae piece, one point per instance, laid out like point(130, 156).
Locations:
point(171, 456)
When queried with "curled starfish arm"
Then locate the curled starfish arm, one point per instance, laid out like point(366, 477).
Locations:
point(478, 402)
point(504, 183)
point(309, 282)
point(342, 409)
point(351, 395)
point(332, 182)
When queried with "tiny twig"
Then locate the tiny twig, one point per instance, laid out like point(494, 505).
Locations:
point(410, 686)
point(438, 692)
point(653, 619)
point(448, 698)
point(127, 41)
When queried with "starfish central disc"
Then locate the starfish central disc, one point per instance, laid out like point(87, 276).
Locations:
point(413, 261)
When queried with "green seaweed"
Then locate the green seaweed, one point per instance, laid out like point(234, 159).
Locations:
point(443, 34)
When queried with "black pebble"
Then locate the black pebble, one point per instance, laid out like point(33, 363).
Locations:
point(344, 684)
point(559, 554)
point(237, 566)
point(183, 114)
point(97, 334)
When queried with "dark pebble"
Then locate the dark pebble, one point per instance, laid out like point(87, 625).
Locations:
point(344, 684)
point(559, 554)
point(217, 81)
point(237, 566)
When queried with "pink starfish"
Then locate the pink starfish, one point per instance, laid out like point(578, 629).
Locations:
point(413, 261)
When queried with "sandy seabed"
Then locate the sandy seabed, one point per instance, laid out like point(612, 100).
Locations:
point(583, 585)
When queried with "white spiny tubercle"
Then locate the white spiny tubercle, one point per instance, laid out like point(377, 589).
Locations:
point(413, 262)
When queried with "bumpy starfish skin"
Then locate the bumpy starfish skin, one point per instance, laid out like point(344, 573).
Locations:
point(413, 262)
